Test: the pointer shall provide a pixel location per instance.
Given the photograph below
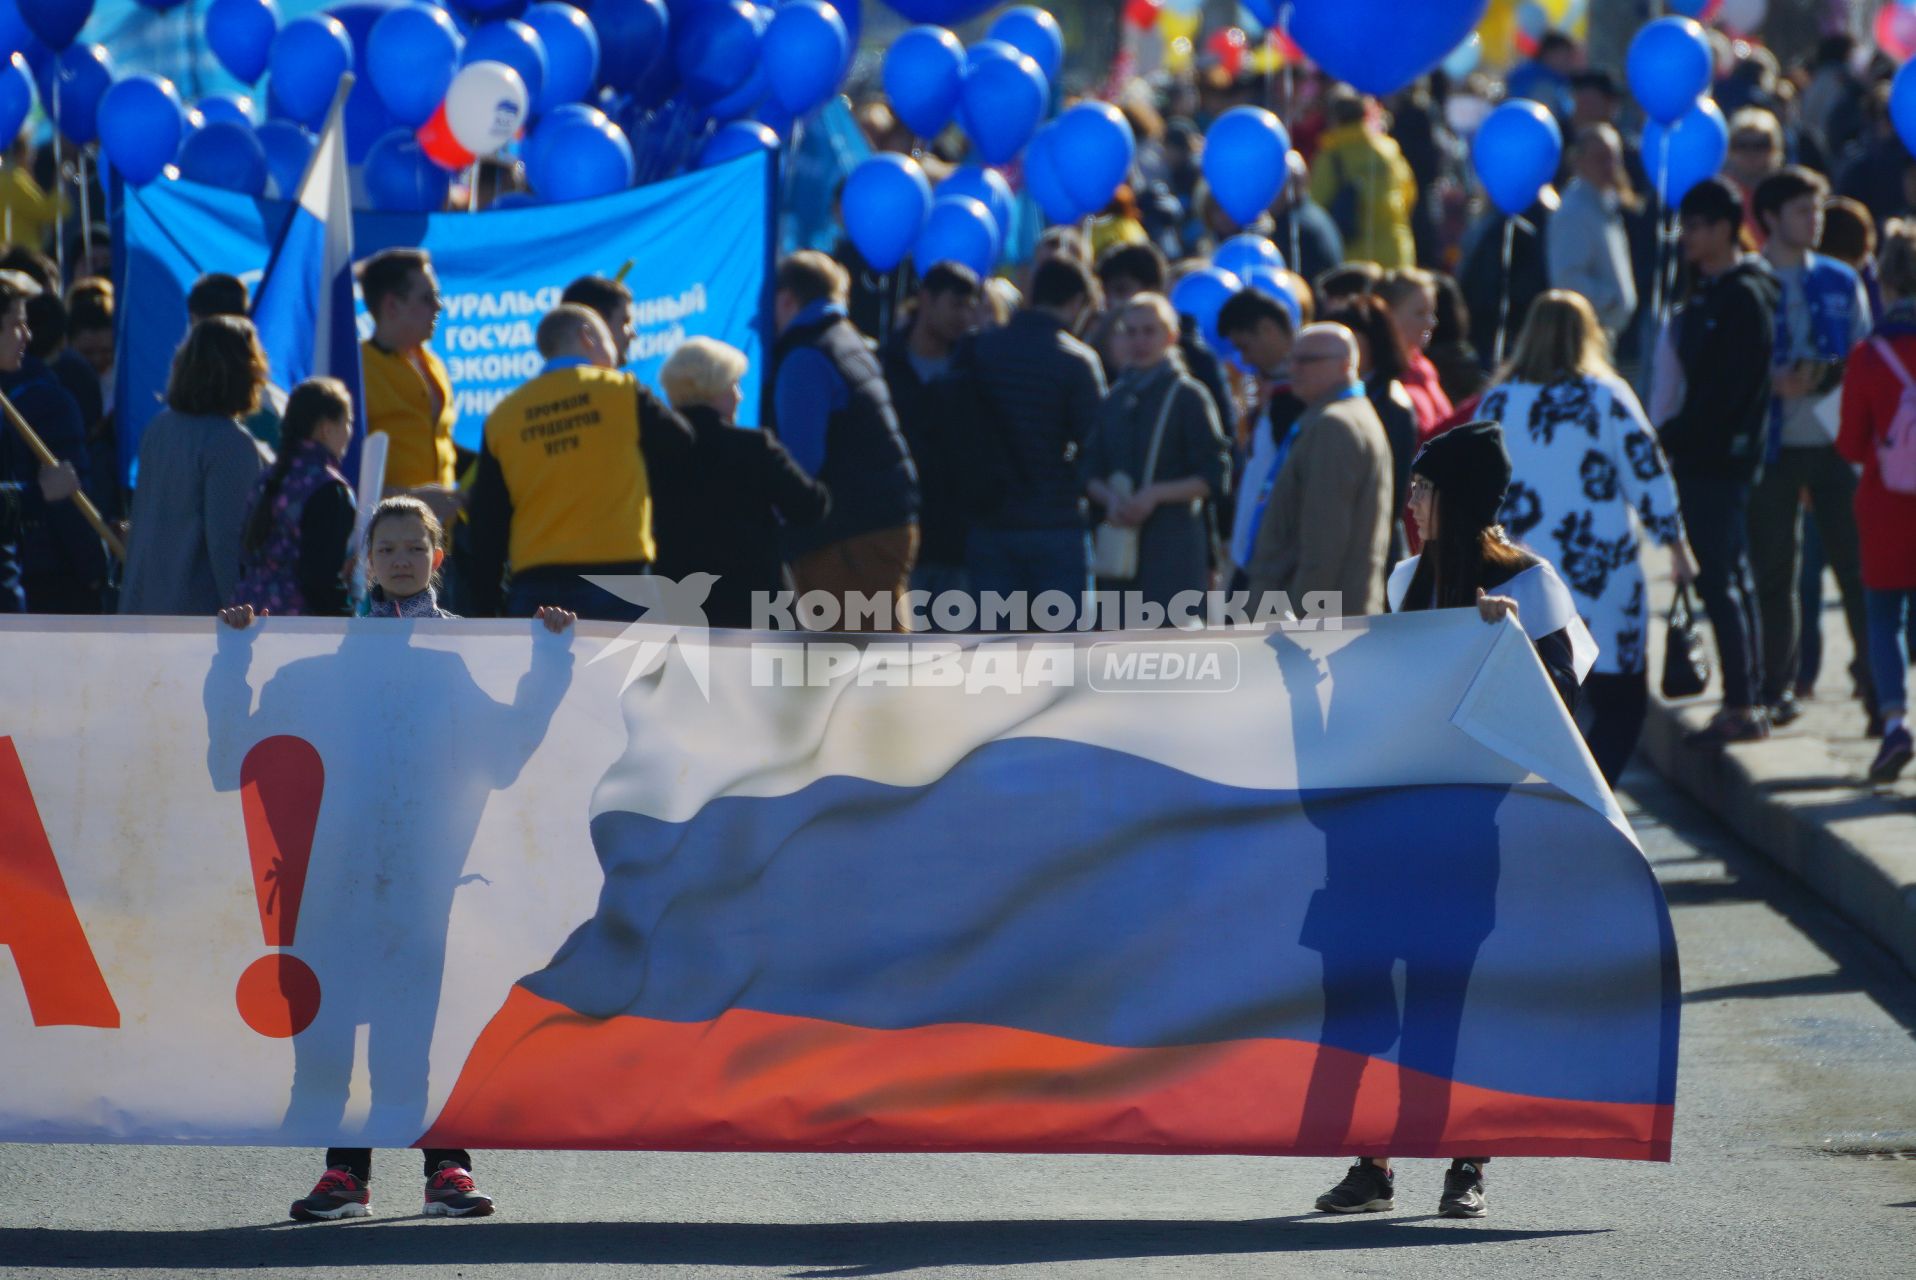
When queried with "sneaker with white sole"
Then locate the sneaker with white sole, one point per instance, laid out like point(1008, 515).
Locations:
point(450, 1194)
point(339, 1194)
point(1463, 1191)
point(1365, 1189)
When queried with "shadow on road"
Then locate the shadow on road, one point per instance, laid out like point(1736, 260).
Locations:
point(812, 1249)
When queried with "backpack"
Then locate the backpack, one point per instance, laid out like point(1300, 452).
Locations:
point(1896, 454)
point(988, 465)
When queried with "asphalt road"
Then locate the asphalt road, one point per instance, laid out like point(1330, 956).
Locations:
point(1797, 1093)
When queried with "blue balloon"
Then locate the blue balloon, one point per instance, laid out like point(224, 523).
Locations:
point(1093, 152)
point(227, 155)
point(288, 147)
point(141, 123)
point(1680, 155)
point(56, 22)
point(805, 53)
point(1032, 31)
point(943, 12)
point(1003, 98)
point(1271, 283)
point(745, 99)
point(987, 186)
point(309, 56)
point(579, 158)
point(1044, 179)
point(1516, 151)
point(572, 53)
point(400, 178)
point(716, 49)
point(960, 230)
point(515, 44)
point(633, 37)
point(884, 205)
point(1381, 46)
point(1463, 60)
point(532, 147)
point(412, 55)
point(367, 120)
point(1902, 104)
point(240, 34)
point(74, 84)
point(924, 70)
point(1690, 8)
point(1201, 295)
point(1245, 157)
point(16, 95)
point(233, 107)
point(1669, 67)
point(1244, 254)
point(739, 138)
point(490, 9)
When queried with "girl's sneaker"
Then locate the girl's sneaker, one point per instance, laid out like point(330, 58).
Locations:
point(339, 1195)
point(450, 1194)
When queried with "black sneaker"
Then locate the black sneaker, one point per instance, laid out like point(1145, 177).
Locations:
point(1365, 1189)
point(1893, 757)
point(338, 1195)
point(450, 1194)
point(1463, 1192)
point(1785, 710)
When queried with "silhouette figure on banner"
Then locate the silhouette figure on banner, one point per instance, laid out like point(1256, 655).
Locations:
point(412, 748)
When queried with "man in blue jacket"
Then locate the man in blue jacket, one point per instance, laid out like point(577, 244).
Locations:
point(833, 413)
point(1823, 313)
point(1043, 390)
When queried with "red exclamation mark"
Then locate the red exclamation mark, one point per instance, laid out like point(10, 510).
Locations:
point(280, 784)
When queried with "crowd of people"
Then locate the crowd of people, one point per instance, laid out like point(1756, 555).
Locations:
point(1733, 391)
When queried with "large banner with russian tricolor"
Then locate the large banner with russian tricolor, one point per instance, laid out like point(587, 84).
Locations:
point(393, 882)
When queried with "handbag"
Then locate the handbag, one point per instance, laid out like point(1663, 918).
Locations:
point(1114, 548)
point(1686, 661)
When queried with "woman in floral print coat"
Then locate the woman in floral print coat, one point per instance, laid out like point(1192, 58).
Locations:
point(1588, 482)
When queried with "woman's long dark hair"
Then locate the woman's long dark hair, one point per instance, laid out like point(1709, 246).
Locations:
point(313, 401)
point(1456, 566)
point(1368, 317)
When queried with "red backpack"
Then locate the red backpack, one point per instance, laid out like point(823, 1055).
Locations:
point(1896, 453)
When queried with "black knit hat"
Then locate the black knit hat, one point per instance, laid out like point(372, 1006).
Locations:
point(1470, 468)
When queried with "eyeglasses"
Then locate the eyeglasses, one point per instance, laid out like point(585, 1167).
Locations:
point(1311, 357)
point(1756, 143)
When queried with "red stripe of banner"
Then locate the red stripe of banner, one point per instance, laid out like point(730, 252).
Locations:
point(542, 1075)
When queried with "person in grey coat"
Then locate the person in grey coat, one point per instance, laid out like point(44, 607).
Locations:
point(198, 465)
point(1327, 526)
point(1588, 245)
point(1167, 496)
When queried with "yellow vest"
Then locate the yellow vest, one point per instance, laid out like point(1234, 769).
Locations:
point(567, 444)
point(399, 402)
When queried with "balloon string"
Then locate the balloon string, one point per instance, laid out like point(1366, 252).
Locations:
point(1503, 296)
point(86, 220)
point(59, 194)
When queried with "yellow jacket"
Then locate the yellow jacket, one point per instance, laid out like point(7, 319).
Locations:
point(1377, 189)
point(399, 401)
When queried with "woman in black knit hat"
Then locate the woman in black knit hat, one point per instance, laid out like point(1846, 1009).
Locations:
point(1456, 490)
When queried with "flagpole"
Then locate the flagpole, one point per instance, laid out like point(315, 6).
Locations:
point(47, 458)
point(332, 113)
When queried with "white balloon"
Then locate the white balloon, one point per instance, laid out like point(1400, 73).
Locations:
point(485, 106)
point(1743, 16)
